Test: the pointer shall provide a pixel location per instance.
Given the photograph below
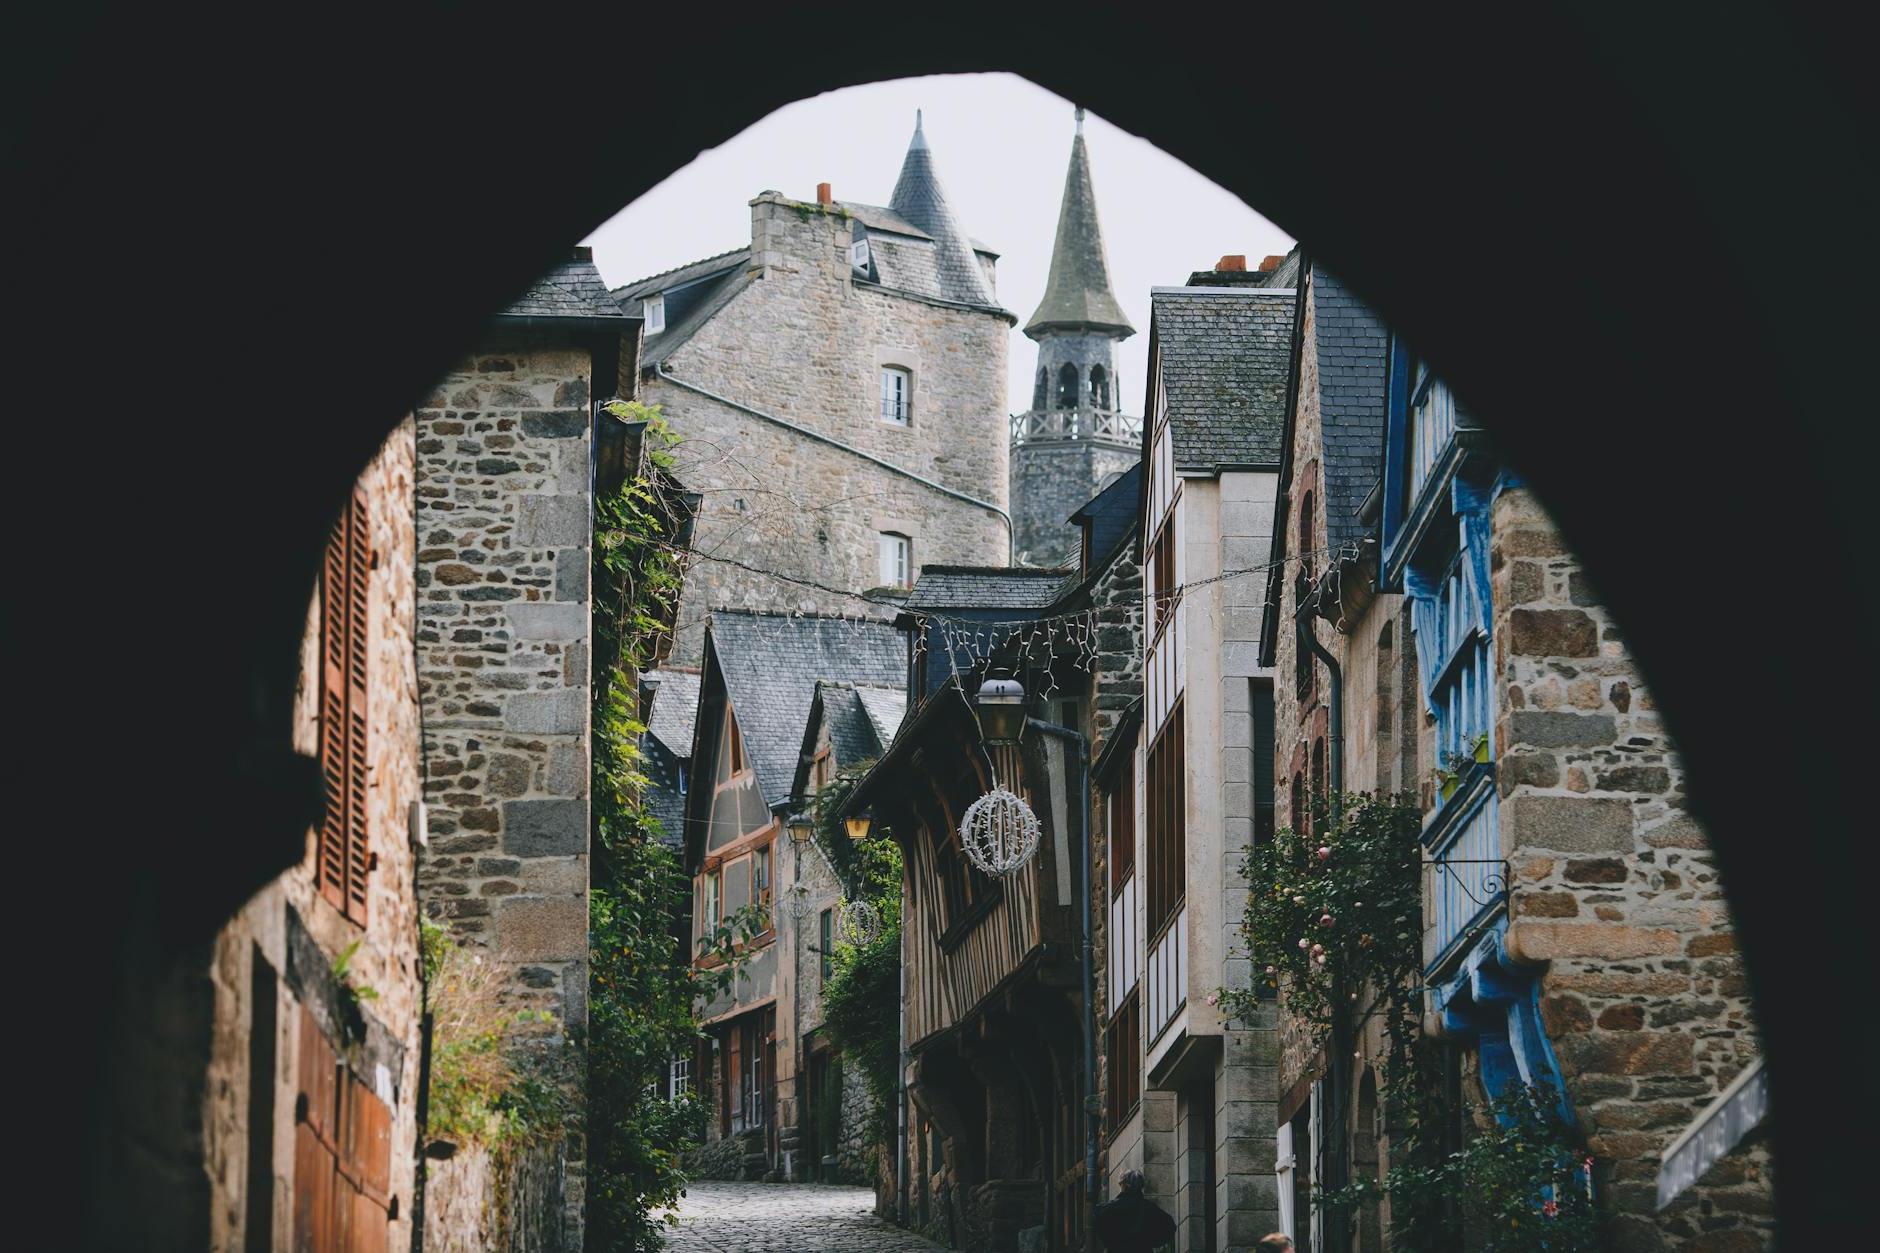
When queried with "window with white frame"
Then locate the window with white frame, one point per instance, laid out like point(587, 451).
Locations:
point(897, 389)
point(679, 1076)
point(653, 309)
point(858, 254)
point(896, 553)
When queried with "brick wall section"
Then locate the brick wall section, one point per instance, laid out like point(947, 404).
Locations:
point(386, 957)
point(1644, 995)
point(503, 521)
point(804, 343)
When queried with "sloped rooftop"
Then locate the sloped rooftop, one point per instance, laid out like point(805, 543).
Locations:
point(1224, 355)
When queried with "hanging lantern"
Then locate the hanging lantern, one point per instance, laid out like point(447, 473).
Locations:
point(857, 922)
point(999, 832)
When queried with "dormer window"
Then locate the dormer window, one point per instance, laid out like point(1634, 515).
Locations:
point(858, 254)
point(653, 309)
point(897, 387)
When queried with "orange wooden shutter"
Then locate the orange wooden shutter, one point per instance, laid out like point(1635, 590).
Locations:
point(345, 854)
point(358, 580)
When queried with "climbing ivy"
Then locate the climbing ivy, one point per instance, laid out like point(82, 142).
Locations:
point(643, 987)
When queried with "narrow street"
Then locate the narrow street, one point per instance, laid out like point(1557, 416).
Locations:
point(719, 1217)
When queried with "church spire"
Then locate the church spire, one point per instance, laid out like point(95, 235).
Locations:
point(1077, 294)
point(918, 198)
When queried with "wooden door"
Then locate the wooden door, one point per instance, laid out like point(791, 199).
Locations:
point(342, 1154)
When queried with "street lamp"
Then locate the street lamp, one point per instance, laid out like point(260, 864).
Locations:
point(801, 827)
point(858, 825)
point(1001, 710)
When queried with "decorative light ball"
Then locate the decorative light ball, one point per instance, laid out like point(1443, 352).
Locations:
point(797, 902)
point(999, 832)
point(857, 922)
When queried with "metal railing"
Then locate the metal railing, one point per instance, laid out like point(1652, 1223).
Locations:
point(1464, 886)
point(1054, 426)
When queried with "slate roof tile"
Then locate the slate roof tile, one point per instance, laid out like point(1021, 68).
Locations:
point(572, 289)
point(771, 663)
point(1224, 354)
point(987, 587)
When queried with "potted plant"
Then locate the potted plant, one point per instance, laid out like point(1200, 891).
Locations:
point(1481, 747)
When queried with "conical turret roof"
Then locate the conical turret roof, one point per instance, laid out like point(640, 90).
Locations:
point(918, 197)
point(1077, 295)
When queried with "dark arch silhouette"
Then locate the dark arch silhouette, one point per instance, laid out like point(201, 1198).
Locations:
point(1066, 397)
point(1041, 389)
point(255, 256)
point(1099, 387)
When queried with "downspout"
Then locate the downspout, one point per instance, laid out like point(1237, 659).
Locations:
point(1338, 1065)
point(1087, 1019)
point(900, 1085)
point(660, 371)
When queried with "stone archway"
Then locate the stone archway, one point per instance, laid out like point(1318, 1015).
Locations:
point(1603, 232)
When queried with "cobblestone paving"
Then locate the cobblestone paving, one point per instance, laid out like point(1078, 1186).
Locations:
point(718, 1217)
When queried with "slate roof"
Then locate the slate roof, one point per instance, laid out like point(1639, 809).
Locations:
point(1224, 354)
point(572, 289)
point(987, 587)
point(1113, 514)
point(665, 798)
point(771, 663)
point(1077, 293)
point(675, 709)
point(694, 293)
point(1354, 357)
point(886, 708)
point(920, 200)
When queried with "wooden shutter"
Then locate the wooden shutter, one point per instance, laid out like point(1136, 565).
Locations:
point(345, 852)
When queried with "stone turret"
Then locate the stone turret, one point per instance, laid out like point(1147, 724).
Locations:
point(1075, 439)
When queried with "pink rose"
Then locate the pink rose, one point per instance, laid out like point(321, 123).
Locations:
point(1325, 920)
point(1325, 854)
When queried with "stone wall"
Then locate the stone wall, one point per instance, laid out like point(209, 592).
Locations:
point(481, 1201)
point(1051, 480)
point(503, 520)
point(1644, 995)
point(804, 343)
point(277, 953)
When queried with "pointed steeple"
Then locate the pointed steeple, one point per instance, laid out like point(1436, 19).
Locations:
point(919, 198)
point(1077, 295)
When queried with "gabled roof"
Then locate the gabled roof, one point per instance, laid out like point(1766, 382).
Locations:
point(693, 293)
point(770, 664)
point(855, 732)
point(1077, 293)
point(1223, 356)
point(1353, 349)
point(1113, 514)
point(987, 587)
point(572, 290)
point(675, 707)
point(920, 200)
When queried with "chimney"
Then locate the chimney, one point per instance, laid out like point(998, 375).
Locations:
point(823, 195)
point(1270, 264)
point(1232, 263)
point(583, 253)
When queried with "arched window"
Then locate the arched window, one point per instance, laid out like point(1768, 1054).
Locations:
point(1099, 388)
point(1067, 387)
point(1040, 392)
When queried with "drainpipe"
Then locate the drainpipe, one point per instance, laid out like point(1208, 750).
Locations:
point(1338, 1065)
point(900, 1089)
point(1086, 1020)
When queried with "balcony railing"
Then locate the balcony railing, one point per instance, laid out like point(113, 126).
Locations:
point(1465, 882)
point(1063, 426)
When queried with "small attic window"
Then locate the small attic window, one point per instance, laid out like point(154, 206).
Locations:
point(653, 309)
point(858, 254)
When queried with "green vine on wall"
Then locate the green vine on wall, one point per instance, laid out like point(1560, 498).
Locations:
point(1333, 925)
point(643, 987)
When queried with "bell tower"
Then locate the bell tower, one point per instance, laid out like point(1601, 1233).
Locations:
point(1075, 439)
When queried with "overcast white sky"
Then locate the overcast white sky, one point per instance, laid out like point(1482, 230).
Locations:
point(1002, 145)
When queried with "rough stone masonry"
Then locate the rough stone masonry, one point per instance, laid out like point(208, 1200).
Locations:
point(503, 509)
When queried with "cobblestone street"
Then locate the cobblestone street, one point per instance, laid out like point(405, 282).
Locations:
point(719, 1217)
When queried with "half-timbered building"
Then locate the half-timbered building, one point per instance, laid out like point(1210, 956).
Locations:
point(759, 676)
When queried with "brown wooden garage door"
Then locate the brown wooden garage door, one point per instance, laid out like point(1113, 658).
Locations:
point(342, 1155)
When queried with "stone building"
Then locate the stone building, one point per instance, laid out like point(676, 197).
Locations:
point(273, 1089)
point(839, 384)
point(506, 467)
point(760, 675)
point(1075, 439)
point(1185, 805)
point(1576, 932)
